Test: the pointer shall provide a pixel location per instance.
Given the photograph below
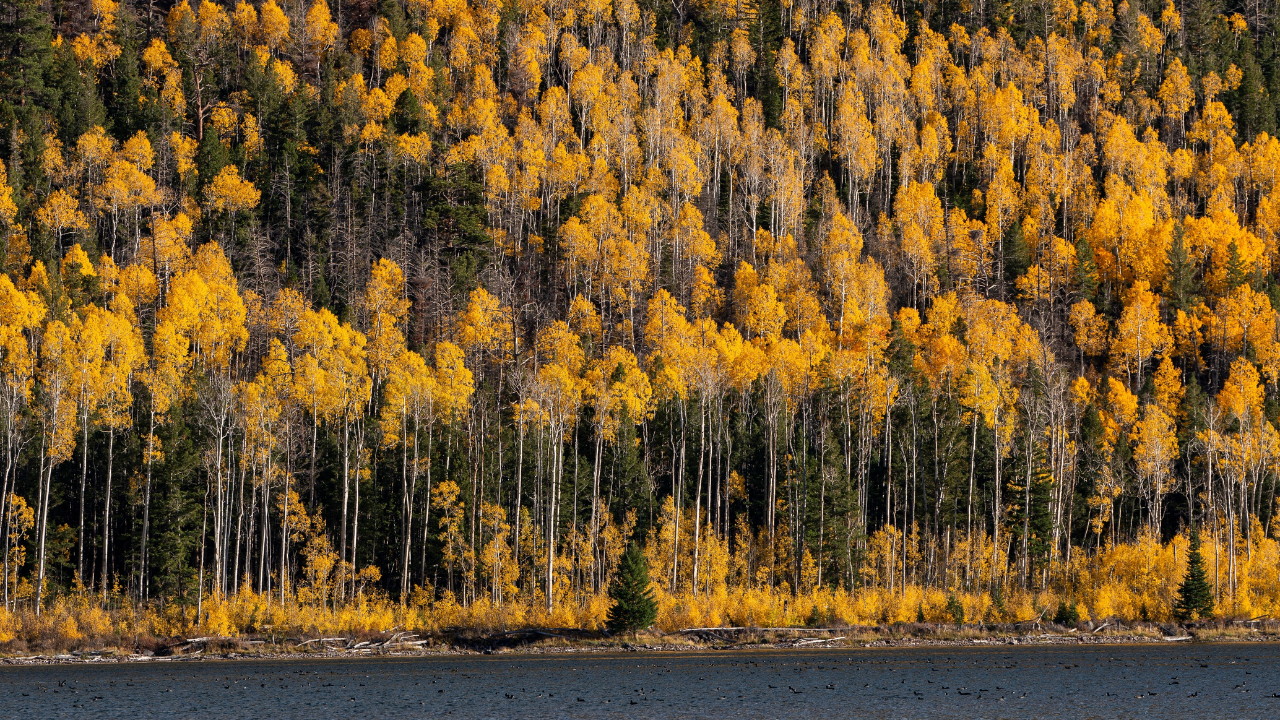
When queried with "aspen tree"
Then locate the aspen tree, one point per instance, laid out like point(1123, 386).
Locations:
point(18, 370)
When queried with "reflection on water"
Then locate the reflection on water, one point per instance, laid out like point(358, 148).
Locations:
point(1218, 681)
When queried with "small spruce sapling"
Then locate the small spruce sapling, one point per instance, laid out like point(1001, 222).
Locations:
point(633, 604)
point(1195, 596)
point(1068, 614)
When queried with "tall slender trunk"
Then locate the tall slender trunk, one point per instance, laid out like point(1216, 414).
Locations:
point(596, 564)
point(47, 474)
point(677, 489)
point(346, 501)
point(553, 504)
point(355, 510)
point(143, 585)
point(973, 455)
point(697, 504)
point(406, 499)
point(519, 498)
point(84, 476)
point(284, 539)
point(5, 507)
point(106, 513)
point(204, 526)
point(239, 501)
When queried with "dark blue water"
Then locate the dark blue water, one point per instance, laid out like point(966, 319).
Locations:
point(1119, 681)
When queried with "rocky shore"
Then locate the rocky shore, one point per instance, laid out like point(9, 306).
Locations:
point(564, 640)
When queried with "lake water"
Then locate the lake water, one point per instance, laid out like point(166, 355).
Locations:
point(1117, 681)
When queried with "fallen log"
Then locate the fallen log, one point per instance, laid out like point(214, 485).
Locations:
point(809, 641)
point(763, 629)
point(308, 642)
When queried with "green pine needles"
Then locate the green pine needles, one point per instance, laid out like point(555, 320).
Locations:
point(1195, 596)
point(633, 605)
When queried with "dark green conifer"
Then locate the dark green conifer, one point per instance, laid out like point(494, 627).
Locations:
point(1086, 270)
point(1180, 284)
point(1016, 259)
point(1195, 596)
point(633, 605)
point(1030, 520)
point(1237, 274)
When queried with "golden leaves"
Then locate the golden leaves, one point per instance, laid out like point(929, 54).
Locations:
point(56, 378)
point(61, 213)
point(224, 122)
point(1176, 93)
point(228, 193)
point(184, 153)
point(95, 51)
point(620, 391)
point(321, 31)
point(24, 312)
point(455, 382)
point(1140, 334)
point(1242, 395)
point(387, 307)
point(762, 313)
point(919, 221)
point(1090, 329)
point(414, 148)
point(167, 249)
point(205, 307)
point(485, 324)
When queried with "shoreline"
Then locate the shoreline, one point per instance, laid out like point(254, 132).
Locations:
point(720, 640)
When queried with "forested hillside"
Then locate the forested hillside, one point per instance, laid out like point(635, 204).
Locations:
point(842, 312)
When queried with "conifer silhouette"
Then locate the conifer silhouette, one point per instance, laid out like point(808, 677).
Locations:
point(1195, 597)
point(633, 605)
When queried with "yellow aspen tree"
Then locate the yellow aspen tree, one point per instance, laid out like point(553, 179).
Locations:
point(1090, 329)
point(445, 496)
point(18, 357)
point(919, 221)
point(57, 380)
point(341, 353)
point(321, 32)
point(230, 195)
point(409, 403)
point(558, 393)
point(86, 355)
point(1155, 442)
point(205, 306)
point(387, 307)
point(124, 353)
point(61, 214)
point(1140, 335)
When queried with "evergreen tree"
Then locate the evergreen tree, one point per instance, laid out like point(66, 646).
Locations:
point(1237, 275)
point(1030, 516)
point(25, 50)
point(1195, 596)
point(1017, 257)
point(1068, 614)
point(628, 478)
point(1180, 281)
point(633, 605)
point(1086, 270)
